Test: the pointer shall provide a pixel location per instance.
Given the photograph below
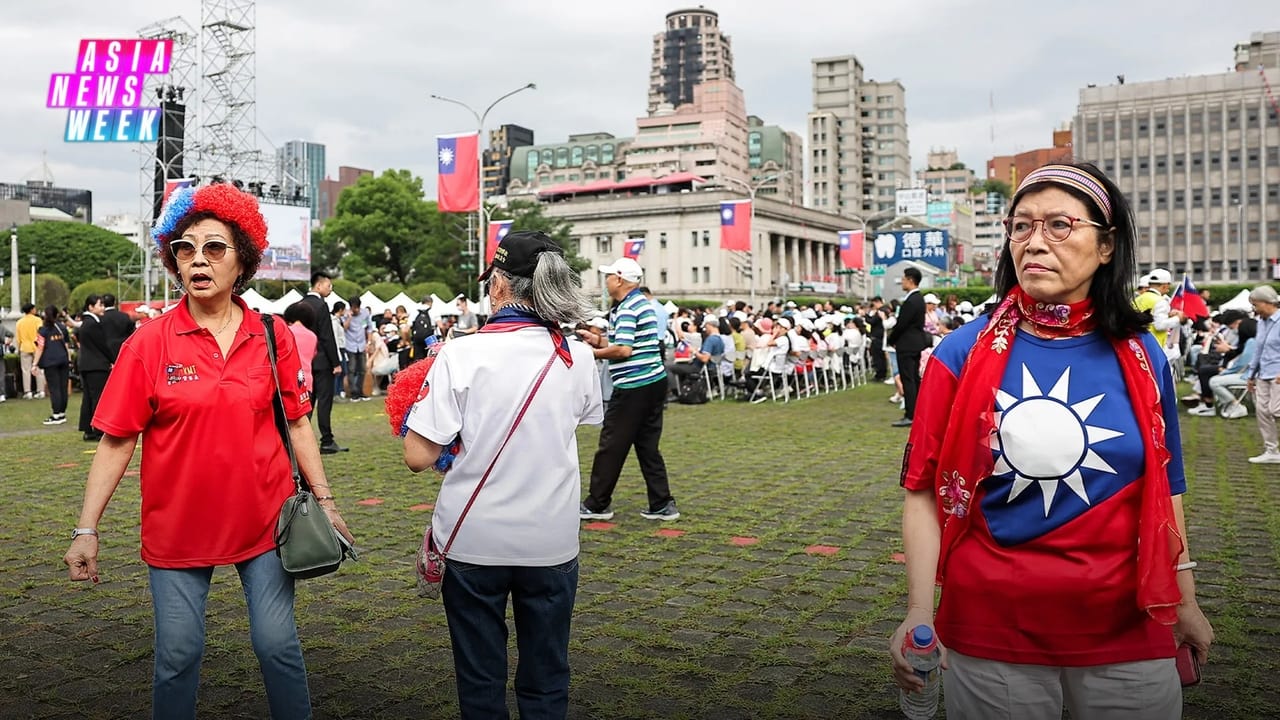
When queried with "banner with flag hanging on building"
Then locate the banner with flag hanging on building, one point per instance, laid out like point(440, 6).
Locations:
point(633, 247)
point(458, 172)
point(498, 230)
point(851, 253)
point(735, 225)
point(1188, 301)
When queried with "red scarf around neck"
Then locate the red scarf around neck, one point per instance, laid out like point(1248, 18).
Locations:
point(966, 457)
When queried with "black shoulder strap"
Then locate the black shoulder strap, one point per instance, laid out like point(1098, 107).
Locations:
point(282, 422)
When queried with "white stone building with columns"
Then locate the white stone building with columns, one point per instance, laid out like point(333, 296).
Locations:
point(682, 256)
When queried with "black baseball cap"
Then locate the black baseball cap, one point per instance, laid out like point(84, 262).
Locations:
point(518, 252)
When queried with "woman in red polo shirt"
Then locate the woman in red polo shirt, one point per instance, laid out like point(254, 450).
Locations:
point(196, 383)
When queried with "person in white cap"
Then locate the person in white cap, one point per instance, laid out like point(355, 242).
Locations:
point(1155, 300)
point(1263, 374)
point(634, 413)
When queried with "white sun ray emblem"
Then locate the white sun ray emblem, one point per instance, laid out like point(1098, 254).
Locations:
point(446, 156)
point(1043, 439)
point(727, 213)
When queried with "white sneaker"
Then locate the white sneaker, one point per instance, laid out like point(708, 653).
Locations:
point(39, 395)
point(2, 398)
point(895, 397)
point(1203, 410)
point(26, 396)
point(1266, 458)
point(889, 381)
point(1234, 411)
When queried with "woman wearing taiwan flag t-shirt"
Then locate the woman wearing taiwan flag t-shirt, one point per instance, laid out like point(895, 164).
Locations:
point(1050, 511)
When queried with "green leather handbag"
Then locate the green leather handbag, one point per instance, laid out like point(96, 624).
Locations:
point(306, 541)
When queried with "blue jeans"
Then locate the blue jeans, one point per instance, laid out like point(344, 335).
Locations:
point(178, 597)
point(355, 374)
point(475, 604)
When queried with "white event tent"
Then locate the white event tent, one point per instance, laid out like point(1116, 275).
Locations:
point(1239, 302)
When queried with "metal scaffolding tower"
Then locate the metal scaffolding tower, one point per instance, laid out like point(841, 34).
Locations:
point(178, 95)
point(228, 114)
point(176, 152)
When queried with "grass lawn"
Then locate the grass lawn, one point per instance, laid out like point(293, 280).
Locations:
point(774, 599)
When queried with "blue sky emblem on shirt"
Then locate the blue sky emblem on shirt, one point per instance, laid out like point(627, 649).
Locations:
point(1056, 453)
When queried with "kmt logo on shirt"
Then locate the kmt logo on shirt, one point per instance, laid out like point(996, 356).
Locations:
point(175, 373)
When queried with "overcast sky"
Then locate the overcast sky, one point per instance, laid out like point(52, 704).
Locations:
point(356, 76)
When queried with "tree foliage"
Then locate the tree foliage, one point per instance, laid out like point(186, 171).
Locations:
point(993, 185)
point(326, 252)
point(50, 290)
point(381, 221)
point(90, 287)
point(418, 291)
point(385, 290)
point(385, 230)
point(345, 289)
point(75, 252)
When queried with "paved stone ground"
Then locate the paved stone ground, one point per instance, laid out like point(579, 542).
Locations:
point(772, 597)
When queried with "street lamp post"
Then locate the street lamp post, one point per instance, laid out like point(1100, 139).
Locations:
point(866, 242)
point(33, 279)
point(751, 194)
point(481, 214)
point(15, 294)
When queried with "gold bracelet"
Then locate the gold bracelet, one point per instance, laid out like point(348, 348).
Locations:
point(322, 498)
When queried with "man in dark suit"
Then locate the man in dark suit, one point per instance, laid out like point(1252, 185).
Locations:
point(909, 339)
point(875, 325)
point(116, 325)
point(326, 363)
point(93, 361)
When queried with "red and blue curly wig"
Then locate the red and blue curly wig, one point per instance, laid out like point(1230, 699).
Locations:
point(238, 209)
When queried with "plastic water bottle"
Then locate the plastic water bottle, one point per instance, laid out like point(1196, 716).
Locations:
point(923, 653)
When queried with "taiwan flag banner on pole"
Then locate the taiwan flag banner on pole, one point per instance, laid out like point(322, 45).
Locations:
point(735, 225)
point(851, 248)
point(632, 248)
point(1187, 299)
point(458, 163)
point(498, 229)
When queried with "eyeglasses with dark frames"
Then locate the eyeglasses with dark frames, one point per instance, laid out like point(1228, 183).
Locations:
point(213, 250)
point(1056, 228)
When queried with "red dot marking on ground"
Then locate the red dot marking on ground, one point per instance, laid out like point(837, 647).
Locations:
point(371, 501)
point(668, 532)
point(67, 465)
point(420, 507)
point(599, 526)
point(741, 541)
point(822, 550)
point(899, 558)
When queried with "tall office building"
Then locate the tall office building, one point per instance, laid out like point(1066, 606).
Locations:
point(690, 51)
point(1199, 159)
point(1012, 168)
point(503, 141)
point(945, 177)
point(299, 172)
point(859, 153)
point(775, 159)
point(331, 190)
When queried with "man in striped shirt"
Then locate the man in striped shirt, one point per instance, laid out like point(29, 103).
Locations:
point(634, 412)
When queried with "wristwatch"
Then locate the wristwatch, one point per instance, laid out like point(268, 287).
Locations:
point(83, 531)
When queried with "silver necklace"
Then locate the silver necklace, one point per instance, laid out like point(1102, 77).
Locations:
point(230, 316)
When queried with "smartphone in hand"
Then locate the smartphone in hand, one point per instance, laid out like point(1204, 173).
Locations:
point(1188, 663)
point(347, 548)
